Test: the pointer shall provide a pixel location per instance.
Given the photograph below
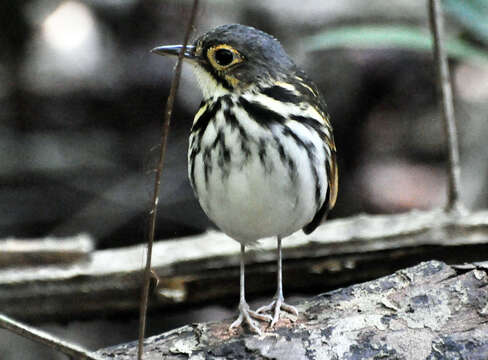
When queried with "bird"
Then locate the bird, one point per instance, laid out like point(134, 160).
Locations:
point(261, 156)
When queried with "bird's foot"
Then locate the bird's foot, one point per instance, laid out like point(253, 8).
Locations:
point(276, 306)
point(246, 315)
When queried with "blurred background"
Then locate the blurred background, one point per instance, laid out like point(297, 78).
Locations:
point(81, 107)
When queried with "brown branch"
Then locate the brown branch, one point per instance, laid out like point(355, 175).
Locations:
point(152, 223)
point(73, 351)
point(192, 269)
point(447, 107)
point(48, 250)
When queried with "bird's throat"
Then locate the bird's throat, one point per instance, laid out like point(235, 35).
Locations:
point(209, 85)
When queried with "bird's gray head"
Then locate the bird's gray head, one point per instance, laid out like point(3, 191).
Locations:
point(233, 58)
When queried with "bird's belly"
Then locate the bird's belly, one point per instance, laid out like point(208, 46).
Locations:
point(263, 191)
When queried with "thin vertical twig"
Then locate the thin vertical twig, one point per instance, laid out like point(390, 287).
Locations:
point(152, 221)
point(73, 351)
point(447, 107)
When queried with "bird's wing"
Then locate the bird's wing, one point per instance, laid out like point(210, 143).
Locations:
point(331, 162)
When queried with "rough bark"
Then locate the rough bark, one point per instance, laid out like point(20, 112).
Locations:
point(193, 269)
point(429, 311)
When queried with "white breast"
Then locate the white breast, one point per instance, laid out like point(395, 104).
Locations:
point(262, 194)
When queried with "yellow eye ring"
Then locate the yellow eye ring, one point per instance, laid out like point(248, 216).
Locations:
point(223, 56)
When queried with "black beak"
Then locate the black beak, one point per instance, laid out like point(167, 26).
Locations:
point(174, 50)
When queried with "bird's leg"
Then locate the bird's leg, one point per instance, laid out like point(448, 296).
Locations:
point(278, 302)
point(245, 314)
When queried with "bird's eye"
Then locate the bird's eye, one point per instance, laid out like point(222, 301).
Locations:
point(223, 56)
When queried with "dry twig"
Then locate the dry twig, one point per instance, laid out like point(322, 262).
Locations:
point(73, 351)
point(157, 183)
point(447, 107)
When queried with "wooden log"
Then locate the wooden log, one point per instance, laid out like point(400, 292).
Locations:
point(429, 311)
point(49, 250)
point(193, 269)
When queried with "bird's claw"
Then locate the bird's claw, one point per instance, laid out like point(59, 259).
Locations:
point(246, 315)
point(276, 306)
